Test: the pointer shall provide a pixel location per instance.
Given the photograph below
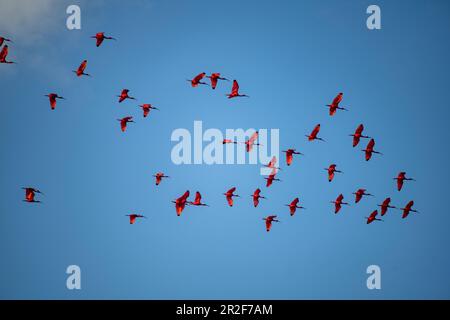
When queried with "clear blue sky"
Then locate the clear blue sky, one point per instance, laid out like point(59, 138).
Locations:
point(292, 58)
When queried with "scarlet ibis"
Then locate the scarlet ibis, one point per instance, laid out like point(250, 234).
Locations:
point(271, 178)
point(272, 163)
point(313, 135)
point(293, 206)
point(198, 200)
point(269, 221)
point(335, 104)
point(158, 177)
point(385, 206)
point(180, 203)
point(369, 149)
point(2, 39)
point(146, 107)
point(331, 171)
point(80, 71)
point(229, 195)
point(373, 217)
point(30, 194)
point(338, 203)
point(256, 196)
point(214, 77)
point(360, 193)
point(124, 95)
point(100, 36)
point(407, 209)
point(358, 135)
point(235, 91)
point(4, 54)
point(289, 155)
point(401, 178)
point(124, 121)
point(251, 142)
point(52, 98)
point(226, 141)
point(197, 80)
point(134, 216)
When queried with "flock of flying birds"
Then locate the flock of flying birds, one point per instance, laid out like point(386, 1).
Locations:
point(182, 201)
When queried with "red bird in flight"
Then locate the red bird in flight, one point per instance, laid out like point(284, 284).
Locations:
point(360, 193)
point(235, 91)
point(226, 141)
point(331, 171)
point(80, 71)
point(269, 221)
point(52, 98)
point(313, 135)
point(272, 163)
point(124, 121)
point(358, 135)
point(180, 203)
point(158, 177)
point(134, 216)
point(271, 178)
point(369, 149)
point(30, 193)
point(198, 200)
point(124, 95)
point(4, 54)
point(100, 36)
point(2, 39)
point(385, 206)
point(373, 217)
point(401, 178)
point(335, 104)
point(214, 77)
point(251, 142)
point(338, 203)
point(197, 80)
point(407, 209)
point(229, 195)
point(293, 206)
point(146, 107)
point(289, 155)
point(256, 196)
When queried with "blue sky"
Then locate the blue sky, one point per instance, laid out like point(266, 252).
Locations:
point(292, 58)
